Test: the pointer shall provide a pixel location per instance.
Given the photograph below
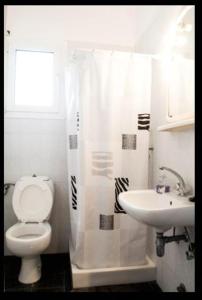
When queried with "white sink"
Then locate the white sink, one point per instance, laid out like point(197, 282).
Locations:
point(161, 211)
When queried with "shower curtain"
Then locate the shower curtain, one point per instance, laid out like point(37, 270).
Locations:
point(108, 119)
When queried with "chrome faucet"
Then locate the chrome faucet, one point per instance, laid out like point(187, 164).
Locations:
point(180, 186)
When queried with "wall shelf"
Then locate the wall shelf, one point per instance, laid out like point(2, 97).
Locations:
point(180, 125)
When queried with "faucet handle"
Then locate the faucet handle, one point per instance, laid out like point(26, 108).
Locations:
point(181, 190)
point(178, 188)
point(192, 199)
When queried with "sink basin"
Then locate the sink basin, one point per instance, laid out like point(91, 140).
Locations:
point(161, 211)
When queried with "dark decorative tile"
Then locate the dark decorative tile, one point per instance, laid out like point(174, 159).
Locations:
point(129, 141)
point(77, 121)
point(73, 143)
point(106, 222)
point(9, 262)
point(56, 277)
point(154, 287)
point(121, 185)
point(49, 289)
point(54, 280)
point(74, 192)
point(19, 289)
point(143, 121)
point(103, 289)
point(84, 290)
point(125, 288)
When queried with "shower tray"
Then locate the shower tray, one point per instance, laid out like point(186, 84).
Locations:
point(111, 276)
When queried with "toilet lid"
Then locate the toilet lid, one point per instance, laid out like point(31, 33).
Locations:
point(32, 200)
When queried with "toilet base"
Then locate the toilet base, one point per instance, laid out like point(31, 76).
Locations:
point(30, 271)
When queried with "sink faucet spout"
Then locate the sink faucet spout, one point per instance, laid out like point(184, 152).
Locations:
point(182, 190)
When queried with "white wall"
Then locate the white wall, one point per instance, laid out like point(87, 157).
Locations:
point(99, 24)
point(34, 146)
point(175, 150)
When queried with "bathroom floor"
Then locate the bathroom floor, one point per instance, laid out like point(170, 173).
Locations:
point(56, 277)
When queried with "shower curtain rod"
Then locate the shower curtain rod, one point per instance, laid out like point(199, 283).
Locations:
point(87, 46)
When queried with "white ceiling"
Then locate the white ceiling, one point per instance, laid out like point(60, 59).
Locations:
point(124, 25)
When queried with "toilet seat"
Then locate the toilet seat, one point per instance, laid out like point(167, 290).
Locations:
point(28, 232)
point(28, 240)
point(32, 200)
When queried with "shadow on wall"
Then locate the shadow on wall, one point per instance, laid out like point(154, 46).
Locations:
point(9, 215)
point(60, 220)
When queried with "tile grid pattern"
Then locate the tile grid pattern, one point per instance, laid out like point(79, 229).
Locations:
point(56, 277)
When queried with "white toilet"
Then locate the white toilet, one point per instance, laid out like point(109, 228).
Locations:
point(32, 203)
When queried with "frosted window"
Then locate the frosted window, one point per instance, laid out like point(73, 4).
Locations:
point(34, 78)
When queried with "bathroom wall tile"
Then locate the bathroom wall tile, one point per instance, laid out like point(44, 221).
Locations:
point(44, 154)
point(40, 126)
point(170, 251)
point(49, 127)
point(8, 209)
point(12, 169)
point(11, 142)
point(184, 269)
point(160, 279)
point(166, 278)
point(169, 279)
point(181, 276)
point(175, 260)
point(151, 248)
point(10, 218)
point(11, 125)
point(12, 157)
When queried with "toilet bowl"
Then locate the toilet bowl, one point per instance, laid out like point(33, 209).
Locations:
point(32, 204)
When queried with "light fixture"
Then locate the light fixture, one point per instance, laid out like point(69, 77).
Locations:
point(188, 27)
point(182, 27)
point(180, 41)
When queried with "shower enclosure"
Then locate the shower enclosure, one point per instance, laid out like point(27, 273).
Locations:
point(108, 122)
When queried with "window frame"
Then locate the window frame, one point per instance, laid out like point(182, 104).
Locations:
point(14, 110)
